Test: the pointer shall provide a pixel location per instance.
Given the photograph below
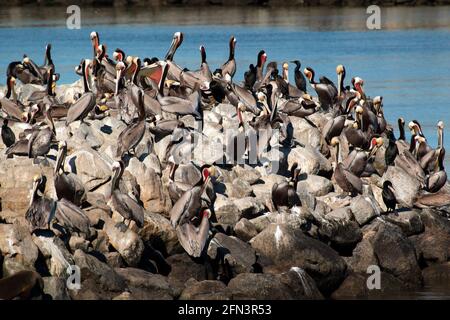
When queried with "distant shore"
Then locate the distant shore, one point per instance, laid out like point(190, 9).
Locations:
point(161, 3)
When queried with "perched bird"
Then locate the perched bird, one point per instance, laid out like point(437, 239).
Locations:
point(41, 210)
point(285, 193)
point(8, 136)
point(389, 196)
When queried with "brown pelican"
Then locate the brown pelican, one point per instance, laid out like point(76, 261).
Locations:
point(130, 137)
point(188, 176)
point(192, 200)
point(358, 83)
point(41, 71)
point(67, 184)
point(236, 143)
point(19, 71)
point(357, 160)
point(344, 178)
point(333, 127)
point(285, 193)
point(401, 141)
point(250, 77)
point(325, 89)
point(13, 108)
point(72, 218)
point(181, 107)
point(428, 160)
point(237, 94)
point(435, 181)
point(378, 106)
point(8, 136)
point(301, 107)
point(229, 67)
point(201, 78)
point(164, 127)
point(38, 96)
point(192, 238)
point(122, 203)
point(292, 91)
point(21, 285)
point(300, 80)
point(81, 108)
point(41, 210)
point(388, 195)
point(174, 69)
point(421, 148)
point(41, 139)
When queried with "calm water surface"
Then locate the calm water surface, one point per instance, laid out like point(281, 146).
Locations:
point(407, 61)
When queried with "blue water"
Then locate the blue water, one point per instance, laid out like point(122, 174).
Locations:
point(408, 66)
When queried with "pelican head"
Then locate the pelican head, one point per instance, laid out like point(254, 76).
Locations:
point(285, 66)
point(261, 96)
point(334, 141)
point(340, 69)
point(359, 109)
point(440, 124)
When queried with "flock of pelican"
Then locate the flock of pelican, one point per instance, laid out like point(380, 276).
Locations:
point(142, 92)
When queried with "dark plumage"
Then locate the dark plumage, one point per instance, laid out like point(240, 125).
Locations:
point(391, 150)
point(8, 136)
point(300, 80)
point(285, 193)
point(388, 196)
point(128, 208)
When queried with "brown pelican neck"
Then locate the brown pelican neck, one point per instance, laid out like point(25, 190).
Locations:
point(50, 82)
point(48, 56)
point(401, 128)
point(173, 168)
point(8, 85)
point(232, 45)
point(84, 74)
point(49, 119)
point(60, 159)
point(440, 138)
point(117, 175)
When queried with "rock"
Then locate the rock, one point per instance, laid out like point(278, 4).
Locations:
point(159, 233)
point(288, 248)
point(259, 286)
point(433, 245)
point(238, 189)
point(205, 290)
point(396, 254)
point(363, 256)
point(247, 174)
point(56, 255)
point(342, 233)
point(262, 191)
point(144, 285)
point(17, 248)
point(437, 275)
point(316, 185)
point(101, 244)
point(238, 255)
point(355, 287)
point(207, 150)
point(305, 133)
point(406, 187)
point(78, 243)
point(97, 275)
point(341, 214)
point(362, 209)
point(226, 211)
point(90, 166)
point(249, 207)
point(310, 160)
point(263, 221)
point(409, 221)
point(301, 283)
point(154, 195)
point(16, 179)
point(183, 268)
point(125, 241)
point(56, 288)
point(245, 230)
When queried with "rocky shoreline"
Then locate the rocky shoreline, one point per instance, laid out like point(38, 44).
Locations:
point(255, 254)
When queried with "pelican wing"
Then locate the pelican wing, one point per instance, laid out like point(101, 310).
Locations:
point(81, 107)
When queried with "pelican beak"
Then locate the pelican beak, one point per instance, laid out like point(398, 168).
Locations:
point(103, 108)
point(339, 84)
point(392, 189)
